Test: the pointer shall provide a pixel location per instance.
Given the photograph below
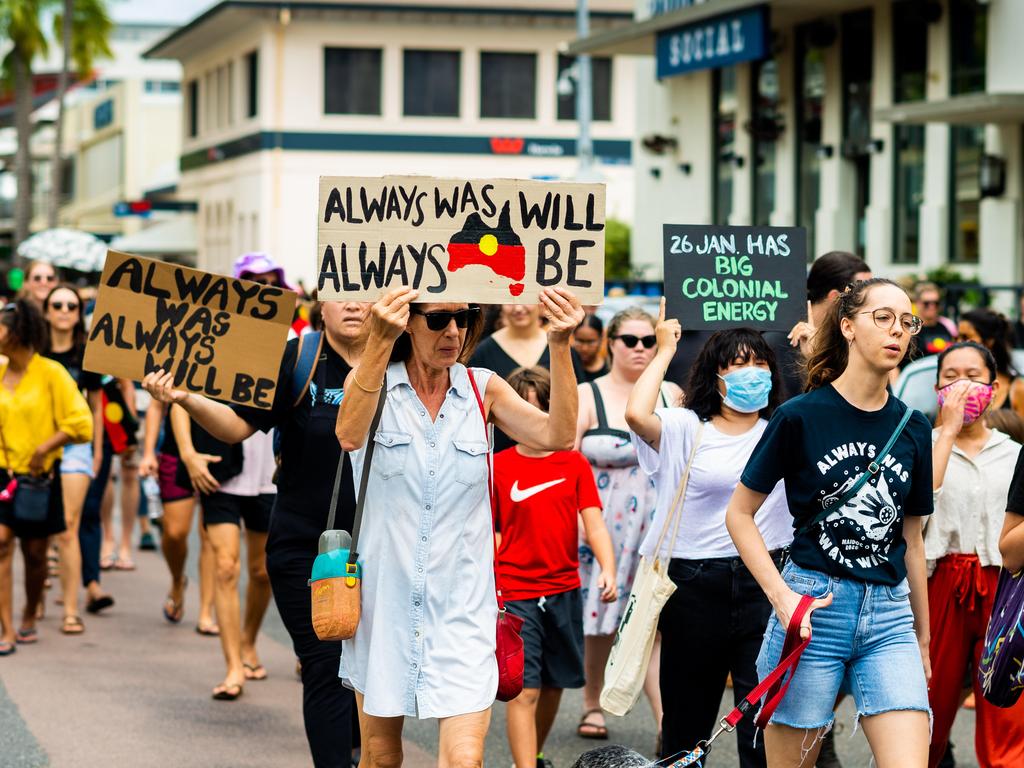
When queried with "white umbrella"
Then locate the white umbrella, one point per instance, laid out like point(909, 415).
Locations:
point(67, 248)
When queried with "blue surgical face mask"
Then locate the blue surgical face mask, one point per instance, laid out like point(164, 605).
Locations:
point(747, 389)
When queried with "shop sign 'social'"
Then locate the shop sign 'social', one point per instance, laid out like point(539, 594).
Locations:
point(714, 43)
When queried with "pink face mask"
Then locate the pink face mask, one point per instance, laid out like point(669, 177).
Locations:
point(978, 399)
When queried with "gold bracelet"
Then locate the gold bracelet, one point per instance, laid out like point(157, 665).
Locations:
point(355, 380)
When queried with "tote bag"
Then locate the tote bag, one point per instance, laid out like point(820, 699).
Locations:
point(631, 652)
point(1000, 672)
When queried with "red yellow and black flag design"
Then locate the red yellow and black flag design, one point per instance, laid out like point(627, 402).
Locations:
point(497, 248)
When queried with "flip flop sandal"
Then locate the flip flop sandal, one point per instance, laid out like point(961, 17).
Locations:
point(107, 563)
point(6, 649)
point(255, 671)
point(227, 692)
point(72, 626)
point(175, 612)
point(95, 605)
point(595, 731)
point(208, 630)
point(27, 636)
point(124, 565)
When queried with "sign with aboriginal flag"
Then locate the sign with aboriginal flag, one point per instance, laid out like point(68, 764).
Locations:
point(492, 241)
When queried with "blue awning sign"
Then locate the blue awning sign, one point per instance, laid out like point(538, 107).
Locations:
point(713, 43)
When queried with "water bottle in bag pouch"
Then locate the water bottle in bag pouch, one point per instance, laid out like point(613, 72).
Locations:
point(335, 587)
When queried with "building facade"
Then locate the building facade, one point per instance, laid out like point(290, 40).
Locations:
point(890, 128)
point(276, 95)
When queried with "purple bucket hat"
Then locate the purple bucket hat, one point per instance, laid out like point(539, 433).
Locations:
point(256, 263)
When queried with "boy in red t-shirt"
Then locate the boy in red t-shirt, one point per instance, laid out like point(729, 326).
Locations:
point(540, 497)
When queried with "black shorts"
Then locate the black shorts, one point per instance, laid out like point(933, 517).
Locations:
point(54, 522)
point(552, 639)
point(227, 508)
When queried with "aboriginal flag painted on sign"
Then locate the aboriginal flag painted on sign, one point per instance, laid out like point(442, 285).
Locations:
point(498, 248)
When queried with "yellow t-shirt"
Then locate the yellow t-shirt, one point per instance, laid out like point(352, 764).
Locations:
point(46, 401)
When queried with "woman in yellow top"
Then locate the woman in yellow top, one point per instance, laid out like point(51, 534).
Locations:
point(41, 410)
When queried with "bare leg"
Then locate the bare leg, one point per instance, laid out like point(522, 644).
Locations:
point(74, 488)
point(382, 739)
point(34, 552)
point(257, 595)
point(6, 584)
point(207, 581)
point(224, 540)
point(898, 739)
point(462, 740)
point(174, 543)
point(652, 686)
point(129, 502)
point(521, 727)
point(787, 747)
point(595, 655)
point(547, 710)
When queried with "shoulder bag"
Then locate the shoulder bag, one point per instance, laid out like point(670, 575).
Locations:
point(631, 652)
point(1000, 672)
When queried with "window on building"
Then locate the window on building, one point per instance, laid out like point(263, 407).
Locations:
point(209, 102)
point(162, 86)
point(600, 87)
point(857, 51)
point(765, 128)
point(231, 93)
point(252, 83)
point(192, 108)
point(352, 81)
point(967, 144)
point(724, 135)
point(968, 28)
point(909, 51)
point(508, 85)
point(810, 95)
point(908, 193)
point(431, 82)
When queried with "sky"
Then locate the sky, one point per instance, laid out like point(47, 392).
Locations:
point(174, 11)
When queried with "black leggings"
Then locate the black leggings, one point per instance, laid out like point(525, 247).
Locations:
point(328, 707)
point(711, 626)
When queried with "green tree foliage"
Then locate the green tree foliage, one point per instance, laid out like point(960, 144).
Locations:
point(616, 250)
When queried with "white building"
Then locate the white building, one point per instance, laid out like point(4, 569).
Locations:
point(891, 128)
point(278, 94)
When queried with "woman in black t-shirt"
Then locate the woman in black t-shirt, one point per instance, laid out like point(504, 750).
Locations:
point(309, 454)
point(858, 547)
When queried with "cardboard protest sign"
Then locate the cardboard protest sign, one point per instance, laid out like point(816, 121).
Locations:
point(734, 277)
point(491, 241)
point(220, 337)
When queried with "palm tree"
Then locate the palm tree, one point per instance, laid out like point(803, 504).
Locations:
point(84, 28)
point(20, 23)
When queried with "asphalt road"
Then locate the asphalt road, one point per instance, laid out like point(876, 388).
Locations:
point(134, 691)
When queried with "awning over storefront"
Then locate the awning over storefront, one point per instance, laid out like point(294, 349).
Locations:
point(972, 108)
point(173, 237)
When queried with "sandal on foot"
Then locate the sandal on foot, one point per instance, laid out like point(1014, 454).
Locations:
point(174, 612)
point(589, 730)
point(124, 565)
point(97, 604)
point(208, 630)
point(255, 671)
point(227, 692)
point(72, 625)
point(27, 636)
point(6, 649)
point(107, 562)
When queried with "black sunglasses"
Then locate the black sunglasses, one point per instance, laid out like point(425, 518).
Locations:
point(631, 341)
point(60, 305)
point(438, 321)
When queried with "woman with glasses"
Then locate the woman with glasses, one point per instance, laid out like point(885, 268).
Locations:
point(992, 331)
point(628, 499)
point(972, 468)
point(40, 278)
point(79, 548)
point(857, 466)
point(425, 645)
point(588, 343)
point(41, 411)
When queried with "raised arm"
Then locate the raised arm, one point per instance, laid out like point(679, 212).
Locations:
point(555, 430)
point(218, 419)
point(388, 320)
point(952, 419)
point(644, 397)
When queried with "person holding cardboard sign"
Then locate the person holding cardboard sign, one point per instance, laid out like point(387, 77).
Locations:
point(428, 586)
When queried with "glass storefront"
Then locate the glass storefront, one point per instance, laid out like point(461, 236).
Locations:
point(766, 127)
point(967, 144)
point(909, 192)
point(810, 104)
point(724, 133)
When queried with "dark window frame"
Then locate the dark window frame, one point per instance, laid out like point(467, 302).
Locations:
point(252, 83)
point(758, 141)
point(899, 237)
point(908, 12)
point(377, 95)
point(192, 87)
point(532, 57)
point(457, 110)
point(952, 256)
point(965, 81)
point(600, 112)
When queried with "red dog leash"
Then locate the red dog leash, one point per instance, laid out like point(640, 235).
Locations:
point(772, 689)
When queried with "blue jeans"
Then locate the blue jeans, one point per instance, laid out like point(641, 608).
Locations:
point(864, 643)
point(90, 530)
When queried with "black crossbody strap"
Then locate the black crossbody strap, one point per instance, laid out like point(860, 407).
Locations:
point(873, 469)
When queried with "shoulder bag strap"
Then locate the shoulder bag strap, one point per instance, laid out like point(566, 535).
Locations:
point(873, 469)
point(306, 359)
point(353, 552)
point(674, 511)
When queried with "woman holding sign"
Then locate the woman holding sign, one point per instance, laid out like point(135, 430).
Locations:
point(425, 645)
point(858, 469)
point(41, 411)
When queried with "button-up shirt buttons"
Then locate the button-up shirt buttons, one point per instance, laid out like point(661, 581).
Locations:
point(428, 506)
point(431, 473)
point(417, 603)
point(419, 570)
point(417, 633)
point(423, 538)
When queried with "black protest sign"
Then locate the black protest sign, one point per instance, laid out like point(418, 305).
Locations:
point(220, 337)
point(734, 277)
point(495, 241)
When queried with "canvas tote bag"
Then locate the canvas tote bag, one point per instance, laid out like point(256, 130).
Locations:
point(631, 652)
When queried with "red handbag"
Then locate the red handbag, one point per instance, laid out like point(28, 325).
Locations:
point(508, 643)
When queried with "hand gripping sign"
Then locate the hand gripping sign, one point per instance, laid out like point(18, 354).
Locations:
point(492, 241)
point(220, 336)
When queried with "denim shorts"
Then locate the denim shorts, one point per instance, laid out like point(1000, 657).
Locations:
point(864, 644)
point(77, 459)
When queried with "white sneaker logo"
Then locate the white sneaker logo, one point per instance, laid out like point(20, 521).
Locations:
point(522, 495)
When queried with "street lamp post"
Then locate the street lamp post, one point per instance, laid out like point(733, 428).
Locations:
point(584, 101)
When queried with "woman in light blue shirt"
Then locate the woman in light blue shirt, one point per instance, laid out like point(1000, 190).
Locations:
point(425, 642)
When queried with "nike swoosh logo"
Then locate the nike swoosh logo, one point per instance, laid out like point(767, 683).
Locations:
point(525, 493)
